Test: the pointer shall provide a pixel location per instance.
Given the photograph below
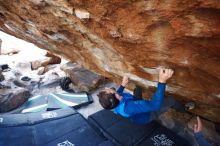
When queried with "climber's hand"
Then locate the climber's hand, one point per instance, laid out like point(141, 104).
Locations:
point(124, 81)
point(197, 127)
point(165, 74)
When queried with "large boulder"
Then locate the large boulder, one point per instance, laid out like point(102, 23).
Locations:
point(11, 99)
point(84, 79)
point(133, 37)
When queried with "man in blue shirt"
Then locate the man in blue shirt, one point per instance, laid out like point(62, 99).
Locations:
point(138, 111)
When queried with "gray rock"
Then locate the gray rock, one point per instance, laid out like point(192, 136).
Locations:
point(2, 86)
point(0, 46)
point(50, 59)
point(41, 70)
point(51, 83)
point(20, 83)
point(12, 99)
point(50, 80)
point(10, 51)
point(84, 79)
point(2, 78)
point(23, 66)
point(35, 64)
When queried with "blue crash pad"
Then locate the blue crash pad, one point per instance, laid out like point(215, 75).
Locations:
point(123, 132)
point(63, 127)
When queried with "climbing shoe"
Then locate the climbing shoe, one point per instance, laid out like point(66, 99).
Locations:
point(190, 105)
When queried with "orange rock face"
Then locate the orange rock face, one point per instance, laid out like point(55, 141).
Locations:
point(133, 37)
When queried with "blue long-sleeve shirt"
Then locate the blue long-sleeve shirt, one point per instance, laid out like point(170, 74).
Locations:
point(139, 111)
point(201, 139)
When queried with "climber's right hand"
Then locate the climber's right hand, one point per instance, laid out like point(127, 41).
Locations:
point(165, 74)
point(124, 81)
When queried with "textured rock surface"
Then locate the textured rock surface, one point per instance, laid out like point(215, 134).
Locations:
point(0, 46)
point(51, 59)
point(82, 78)
point(130, 36)
point(12, 99)
point(1, 76)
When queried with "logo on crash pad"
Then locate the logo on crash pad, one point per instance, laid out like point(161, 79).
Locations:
point(162, 140)
point(49, 115)
point(65, 143)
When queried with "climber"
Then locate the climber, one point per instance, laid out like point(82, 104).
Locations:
point(197, 128)
point(138, 110)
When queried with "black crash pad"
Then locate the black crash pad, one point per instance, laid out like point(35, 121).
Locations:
point(63, 127)
point(122, 132)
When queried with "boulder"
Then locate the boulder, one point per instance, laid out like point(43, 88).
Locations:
point(10, 51)
point(41, 70)
point(0, 46)
point(35, 64)
point(1, 76)
point(2, 86)
point(133, 37)
point(50, 59)
point(84, 79)
point(50, 80)
point(24, 66)
point(11, 99)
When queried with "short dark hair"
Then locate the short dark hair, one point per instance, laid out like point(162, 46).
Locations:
point(107, 100)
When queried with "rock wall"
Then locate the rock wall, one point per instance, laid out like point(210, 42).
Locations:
point(133, 37)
